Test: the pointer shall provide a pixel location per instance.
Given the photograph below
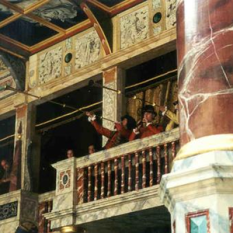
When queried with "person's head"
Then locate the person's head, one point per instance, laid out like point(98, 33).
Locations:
point(69, 153)
point(5, 165)
point(149, 113)
point(128, 122)
point(91, 149)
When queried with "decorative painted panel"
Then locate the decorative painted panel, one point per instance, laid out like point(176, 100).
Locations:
point(134, 27)
point(87, 49)
point(198, 222)
point(64, 179)
point(8, 210)
point(170, 13)
point(50, 65)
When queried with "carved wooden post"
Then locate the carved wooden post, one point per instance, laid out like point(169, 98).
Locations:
point(143, 169)
point(151, 166)
point(122, 174)
point(116, 176)
point(109, 178)
point(130, 173)
point(80, 185)
point(158, 164)
point(136, 171)
point(102, 180)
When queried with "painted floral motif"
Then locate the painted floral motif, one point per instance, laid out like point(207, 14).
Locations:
point(50, 65)
point(156, 4)
point(170, 13)
point(134, 27)
point(87, 49)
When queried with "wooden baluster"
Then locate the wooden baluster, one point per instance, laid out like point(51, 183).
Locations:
point(80, 185)
point(45, 220)
point(109, 178)
point(158, 164)
point(130, 173)
point(122, 174)
point(41, 218)
point(96, 182)
point(89, 185)
point(49, 210)
point(136, 171)
point(116, 177)
point(143, 169)
point(102, 180)
point(165, 159)
point(151, 166)
point(173, 150)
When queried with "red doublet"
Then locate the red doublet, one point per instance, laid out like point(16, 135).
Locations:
point(146, 132)
point(115, 138)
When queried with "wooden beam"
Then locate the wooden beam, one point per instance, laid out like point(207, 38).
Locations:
point(12, 53)
point(97, 27)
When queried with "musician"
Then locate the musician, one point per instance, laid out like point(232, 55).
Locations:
point(117, 137)
point(173, 116)
point(149, 128)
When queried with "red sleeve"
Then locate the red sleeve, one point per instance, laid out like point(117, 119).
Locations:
point(132, 136)
point(126, 133)
point(154, 129)
point(101, 130)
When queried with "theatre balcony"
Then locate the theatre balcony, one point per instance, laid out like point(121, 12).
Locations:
point(101, 188)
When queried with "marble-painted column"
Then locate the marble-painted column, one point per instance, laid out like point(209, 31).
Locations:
point(112, 101)
point(205, 61)
point(25, 119)
point(198, 191)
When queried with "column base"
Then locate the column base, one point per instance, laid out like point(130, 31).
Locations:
point(199, 192)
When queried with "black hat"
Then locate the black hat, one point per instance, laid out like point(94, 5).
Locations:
point(131, 123)
point(149, 108)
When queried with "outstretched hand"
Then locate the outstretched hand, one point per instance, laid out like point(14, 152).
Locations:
point(89, 114)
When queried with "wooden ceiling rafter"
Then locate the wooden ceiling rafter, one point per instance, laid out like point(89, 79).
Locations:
point(98, 28)
point(14, 43)
point(46, 23)
point(61, 33)
point(12, 53)
point(10, 19)
point(117, 8)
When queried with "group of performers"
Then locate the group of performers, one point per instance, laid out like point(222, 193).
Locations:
point(128, 129)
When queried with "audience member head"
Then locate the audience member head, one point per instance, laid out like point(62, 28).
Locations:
point(69, 153)
point(91, 149)
point(5, 165)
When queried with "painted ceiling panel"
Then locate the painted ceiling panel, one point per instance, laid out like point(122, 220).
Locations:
point(5, 12)
point(24, 4)
point(27, 31)
point(111, 3)
point(62, 13)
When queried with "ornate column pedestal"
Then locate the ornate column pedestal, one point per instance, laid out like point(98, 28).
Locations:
point(198, 192)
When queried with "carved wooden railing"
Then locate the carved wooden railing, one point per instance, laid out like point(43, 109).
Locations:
point(45, 206)
point(128, 167)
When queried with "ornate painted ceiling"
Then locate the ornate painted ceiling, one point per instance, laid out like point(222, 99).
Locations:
point(28, 26)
